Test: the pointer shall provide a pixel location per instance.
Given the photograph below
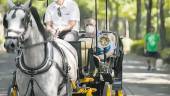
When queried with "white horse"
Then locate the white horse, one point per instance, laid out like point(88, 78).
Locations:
point(41, 64)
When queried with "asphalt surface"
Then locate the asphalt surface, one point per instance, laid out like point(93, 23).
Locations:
point(7, 66)
point(137, 81)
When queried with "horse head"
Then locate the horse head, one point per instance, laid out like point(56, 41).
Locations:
point(17, 22)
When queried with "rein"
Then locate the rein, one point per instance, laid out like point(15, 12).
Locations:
point(49, 58)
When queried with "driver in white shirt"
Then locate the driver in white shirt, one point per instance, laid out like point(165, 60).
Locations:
point(62, 19)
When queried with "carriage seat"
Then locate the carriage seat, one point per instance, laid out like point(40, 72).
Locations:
point(107, 43)
point(86, 44)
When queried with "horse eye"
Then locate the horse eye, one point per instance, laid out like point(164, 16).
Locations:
point(22, 23)
point(22, 20)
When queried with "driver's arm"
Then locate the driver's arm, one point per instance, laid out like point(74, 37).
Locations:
point(49, 27)
point(70, 25)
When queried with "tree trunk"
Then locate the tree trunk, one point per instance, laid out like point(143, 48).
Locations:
point(138, 20)
point(148, 5)
point(116, 19)
point(111, 14)
point(162, 29)
point(126, 28)
point(158, 15)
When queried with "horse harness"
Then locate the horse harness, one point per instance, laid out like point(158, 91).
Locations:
point(48, 61)
point(44, 67)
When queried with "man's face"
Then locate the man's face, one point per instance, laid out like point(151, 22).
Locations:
point(152, 29)
point(90, 30)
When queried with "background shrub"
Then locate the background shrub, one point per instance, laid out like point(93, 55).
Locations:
point(165, 55)
point(138, 47)
point(1, 40)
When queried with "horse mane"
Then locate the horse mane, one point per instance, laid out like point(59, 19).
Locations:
point(41, 28)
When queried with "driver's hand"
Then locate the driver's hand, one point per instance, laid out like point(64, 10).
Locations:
point(59, 30)
point(54, 33)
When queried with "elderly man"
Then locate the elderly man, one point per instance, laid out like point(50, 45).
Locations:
point(62, 19)
point(90, 27)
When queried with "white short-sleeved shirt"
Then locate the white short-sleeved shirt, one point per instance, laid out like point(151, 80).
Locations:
point(69, 11)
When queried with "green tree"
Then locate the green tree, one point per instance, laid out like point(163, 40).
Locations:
point(149, 12)
point(120, 11)
point(116, 20)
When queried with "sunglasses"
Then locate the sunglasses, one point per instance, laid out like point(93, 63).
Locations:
point(89, 25)
point(59, 11)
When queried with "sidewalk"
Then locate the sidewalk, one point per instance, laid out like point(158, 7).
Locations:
point(138, 81)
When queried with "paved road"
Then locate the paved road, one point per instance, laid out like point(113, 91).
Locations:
point(7, 66)
point(137, 80)
point(140, 82)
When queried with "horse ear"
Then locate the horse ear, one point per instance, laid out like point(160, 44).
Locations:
point(11, 4)
point(28, 4)
point(5, 23)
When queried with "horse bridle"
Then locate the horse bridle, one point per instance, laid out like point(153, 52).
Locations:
point(26, 21)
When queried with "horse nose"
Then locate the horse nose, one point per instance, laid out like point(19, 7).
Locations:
point(10, 44)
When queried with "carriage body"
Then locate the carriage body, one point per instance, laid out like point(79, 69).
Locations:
point(103, 76)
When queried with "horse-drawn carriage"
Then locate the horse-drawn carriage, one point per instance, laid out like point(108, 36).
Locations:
point(45, 65)
point(101, 76)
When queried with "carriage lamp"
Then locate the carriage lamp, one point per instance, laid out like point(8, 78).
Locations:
point(104, 40)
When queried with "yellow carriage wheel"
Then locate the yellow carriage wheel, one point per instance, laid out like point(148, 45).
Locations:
point(13, 92)
point(107, 91)
point(119, 93)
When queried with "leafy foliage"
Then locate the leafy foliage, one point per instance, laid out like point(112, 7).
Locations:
point(1, 40)
point(126, 11)
point(165, 54)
